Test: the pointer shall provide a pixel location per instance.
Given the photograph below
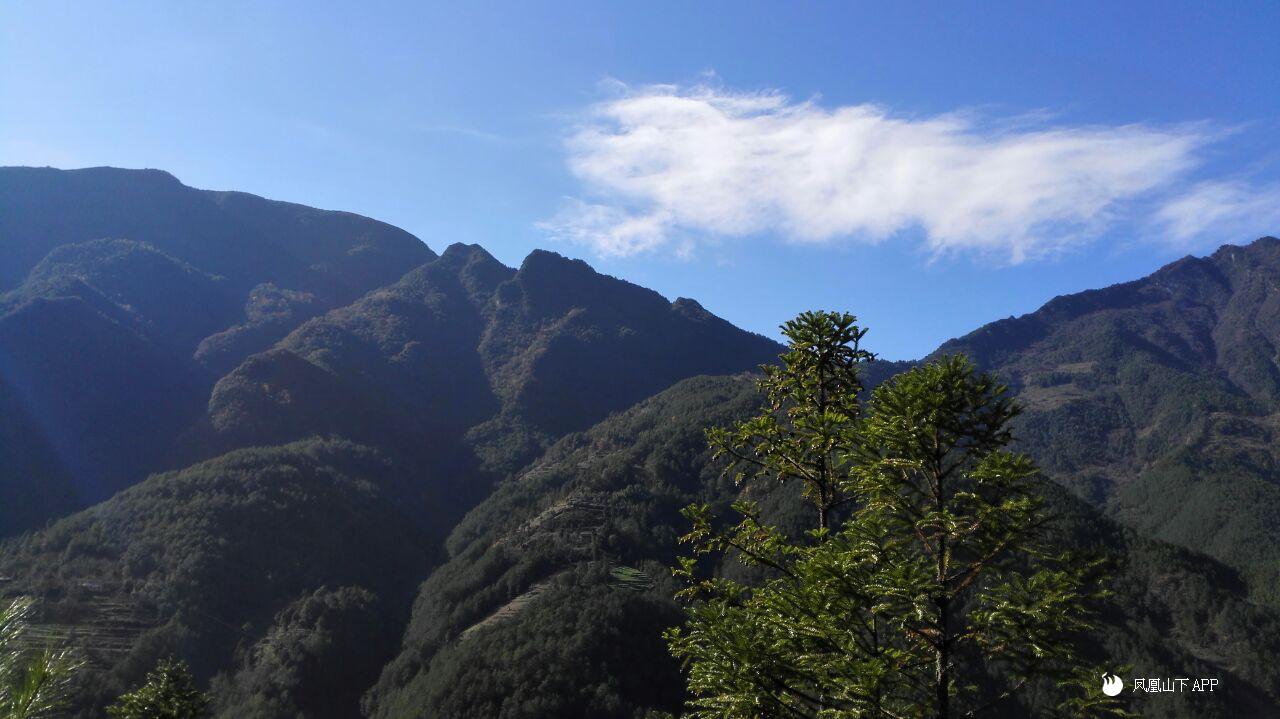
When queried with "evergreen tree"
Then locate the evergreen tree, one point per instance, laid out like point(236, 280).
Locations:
point(169, 693)
point(812, 402)
point(969, 576)
point(938, 595)
point(33, 683)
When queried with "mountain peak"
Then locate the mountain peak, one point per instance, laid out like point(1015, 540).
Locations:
point(103, 173)
point(688, 303)
point(1265, 250)
point(478, 271)
point(461, 251)
point(552, 284)
point(692, 309)
point(546, 261)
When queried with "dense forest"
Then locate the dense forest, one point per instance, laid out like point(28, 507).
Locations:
point(340, 475)
point(1157, 399)
point(610, 499)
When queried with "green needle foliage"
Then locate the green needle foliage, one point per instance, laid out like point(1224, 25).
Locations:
point(33, 683)
point(940, 594)
point(812, 402)
point(169, 693)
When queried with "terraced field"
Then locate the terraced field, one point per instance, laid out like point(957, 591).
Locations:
point(100, 624)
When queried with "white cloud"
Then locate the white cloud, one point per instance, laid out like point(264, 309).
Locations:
point(609, 229)
point(663, 166)
point(1225, 207)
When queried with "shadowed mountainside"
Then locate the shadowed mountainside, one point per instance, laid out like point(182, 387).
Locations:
point(123, 291)
point(148, 325)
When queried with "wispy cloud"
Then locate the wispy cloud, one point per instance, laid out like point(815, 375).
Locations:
point(665, 166)
point(467, 132)
point(1231, 208)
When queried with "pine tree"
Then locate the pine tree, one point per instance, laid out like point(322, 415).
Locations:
point(812, 403)
point(969, 577)
point(34, 683)
point(928, 587)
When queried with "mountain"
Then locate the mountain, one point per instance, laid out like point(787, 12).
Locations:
point(343, 475)
point(1159, 401)
point(558, 585)
point(479, 358)
point(165, 325)
point(242, 237)
point(120, 288)
point(284, 396)
point(1152, 401)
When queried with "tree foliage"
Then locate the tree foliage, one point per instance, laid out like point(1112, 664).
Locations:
point(34, 683)
point(939, 596)
point(170, 692)
point(320, 653)
point(811, 401)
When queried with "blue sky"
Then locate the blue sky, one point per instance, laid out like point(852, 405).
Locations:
point(929, 167)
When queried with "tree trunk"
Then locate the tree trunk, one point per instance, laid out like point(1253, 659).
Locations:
point(942, 658)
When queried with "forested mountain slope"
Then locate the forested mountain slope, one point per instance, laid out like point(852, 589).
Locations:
point(205, 562)
point(558, 585)
point(1159, 400)
point(483, 361)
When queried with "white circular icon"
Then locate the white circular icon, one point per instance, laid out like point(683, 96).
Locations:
point(1112, 684)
